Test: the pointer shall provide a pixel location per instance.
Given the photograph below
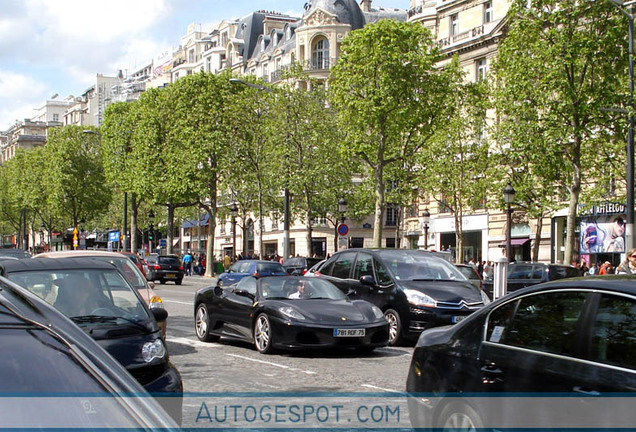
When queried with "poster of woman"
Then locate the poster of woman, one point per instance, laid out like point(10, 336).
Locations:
point(603, 236)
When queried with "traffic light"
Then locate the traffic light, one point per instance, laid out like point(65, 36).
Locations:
point(151, 233)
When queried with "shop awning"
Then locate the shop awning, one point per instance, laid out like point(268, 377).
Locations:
point(516, 242)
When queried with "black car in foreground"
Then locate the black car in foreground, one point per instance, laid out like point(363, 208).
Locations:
point(54, 376)
point(97, 297)
point(556, 355)
point(288, 312)
point(165, 268)
point(415, 289)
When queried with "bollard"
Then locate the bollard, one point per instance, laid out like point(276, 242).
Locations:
point(500, 276)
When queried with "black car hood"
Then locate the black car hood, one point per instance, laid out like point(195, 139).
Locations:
point(445, 290)
point(328, 312)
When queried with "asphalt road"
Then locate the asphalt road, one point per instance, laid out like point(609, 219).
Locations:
point(228, 367)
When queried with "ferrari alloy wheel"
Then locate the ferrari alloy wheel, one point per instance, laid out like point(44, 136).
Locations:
point(395, 326)
point(263, 334)
point(202, 325)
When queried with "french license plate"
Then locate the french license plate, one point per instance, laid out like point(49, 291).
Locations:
point(457, 319)
point(348, 332)
point(171, 276)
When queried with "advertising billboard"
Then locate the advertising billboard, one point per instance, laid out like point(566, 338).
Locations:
point(603, 235)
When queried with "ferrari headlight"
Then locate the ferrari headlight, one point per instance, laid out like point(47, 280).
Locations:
point(418, 298)
point(290, 312)
point(377, 312)
point(484, 297)
point(153, 350)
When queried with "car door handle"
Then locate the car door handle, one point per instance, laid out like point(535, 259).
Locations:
point(585, 391)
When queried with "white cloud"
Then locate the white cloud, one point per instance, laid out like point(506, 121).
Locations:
point(18, 86)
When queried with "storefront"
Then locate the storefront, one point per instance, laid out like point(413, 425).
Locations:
point(475, 229)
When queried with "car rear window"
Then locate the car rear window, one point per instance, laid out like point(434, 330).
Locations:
point(269, 267)
point(169, 260)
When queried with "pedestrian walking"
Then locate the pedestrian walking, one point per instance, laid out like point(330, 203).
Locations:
point(187, 263)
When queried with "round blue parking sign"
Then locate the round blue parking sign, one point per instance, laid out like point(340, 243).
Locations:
point(343, 229)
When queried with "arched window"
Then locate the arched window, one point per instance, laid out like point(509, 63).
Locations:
point(320, 54)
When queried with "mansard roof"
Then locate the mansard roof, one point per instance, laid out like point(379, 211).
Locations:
point(347, 11)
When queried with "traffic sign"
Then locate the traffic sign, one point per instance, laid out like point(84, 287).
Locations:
point(343, 229)
point(163, 243)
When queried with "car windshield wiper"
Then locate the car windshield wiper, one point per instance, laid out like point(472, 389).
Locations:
point(106, 318)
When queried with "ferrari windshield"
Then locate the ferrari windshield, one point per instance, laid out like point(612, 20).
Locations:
point(299, 288)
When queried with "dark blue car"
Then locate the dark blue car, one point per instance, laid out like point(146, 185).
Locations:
point(243, 268)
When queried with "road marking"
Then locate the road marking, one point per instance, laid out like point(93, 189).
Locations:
point(381, 388)
point(192, 343)
point(178, 302)
point(273, 364)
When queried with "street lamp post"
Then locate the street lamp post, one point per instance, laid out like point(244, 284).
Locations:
point(234, 211)
point(426, 218)
point(286, 217)
point(509, 198)
point(629, 213)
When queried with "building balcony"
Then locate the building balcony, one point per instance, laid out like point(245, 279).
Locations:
point(469, 34)
point(318, 65)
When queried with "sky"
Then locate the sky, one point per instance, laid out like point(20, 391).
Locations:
point(50, 47)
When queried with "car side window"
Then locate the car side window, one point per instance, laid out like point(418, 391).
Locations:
point(614, 332)
point(342, 265)
point(248, 284)
point(520, 272)
point(499, 322)
point(546, 322)
point(244, 267)
point(383, 277)
point(364, 266)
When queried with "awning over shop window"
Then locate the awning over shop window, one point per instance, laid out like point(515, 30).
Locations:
point(516, 242)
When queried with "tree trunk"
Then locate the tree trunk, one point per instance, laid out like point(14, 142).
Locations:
point(459, 239)
point(134, 213)
point(575, 191)
point(537, 241)
point(170, 236)
point(379, 207)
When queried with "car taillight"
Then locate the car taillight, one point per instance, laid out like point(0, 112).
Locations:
point(156, 267)
point(256, 274)
point(318, 273)
point(181, 268)
point(304, 271)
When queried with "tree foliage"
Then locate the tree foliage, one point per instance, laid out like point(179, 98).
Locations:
point(391, 100)
point(556, 72)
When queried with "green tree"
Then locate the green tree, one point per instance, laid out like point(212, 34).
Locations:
point(117, 131)
point(157, 154)
point(390, 97)
point(562, 59)
point(199, 144)
point(255, 152)
point(318, 174)
point(76, 175)
point(458, 163)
